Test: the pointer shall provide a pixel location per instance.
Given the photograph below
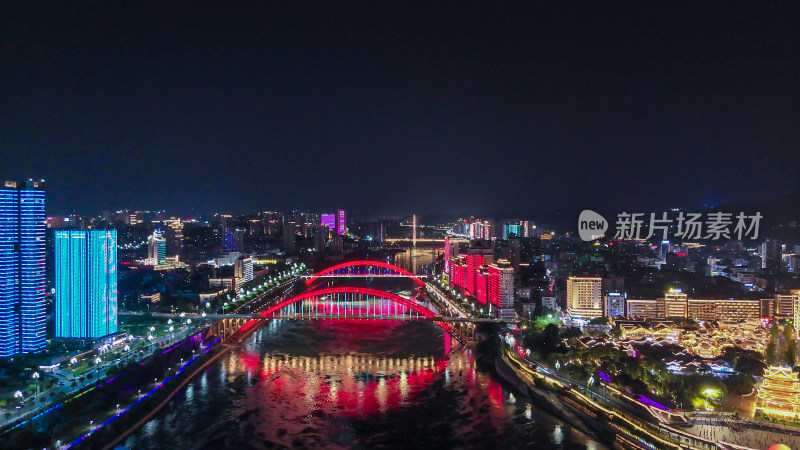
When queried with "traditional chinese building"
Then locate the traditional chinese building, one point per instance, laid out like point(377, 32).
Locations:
point(779, 394)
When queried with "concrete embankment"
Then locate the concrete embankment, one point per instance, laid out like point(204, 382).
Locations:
point(552, 403)
point(178, 387)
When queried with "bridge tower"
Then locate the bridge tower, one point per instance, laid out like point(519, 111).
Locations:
point(414, 230)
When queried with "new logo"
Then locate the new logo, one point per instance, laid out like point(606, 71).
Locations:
point(591, 225)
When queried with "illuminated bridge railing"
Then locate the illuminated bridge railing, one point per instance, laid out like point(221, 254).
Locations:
point(347, 305)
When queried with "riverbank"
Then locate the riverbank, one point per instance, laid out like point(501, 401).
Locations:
point(115, 437)
point(543, 396)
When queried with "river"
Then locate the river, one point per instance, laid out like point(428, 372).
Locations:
point(351, 384)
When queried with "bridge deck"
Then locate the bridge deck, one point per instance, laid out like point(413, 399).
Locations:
point(363, 275)
point(300, 316)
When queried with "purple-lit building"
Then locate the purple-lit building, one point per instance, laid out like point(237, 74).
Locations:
point(341, 222)
point(328, 220)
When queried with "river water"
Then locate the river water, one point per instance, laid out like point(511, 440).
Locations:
point(415, 259)
point(351, 384)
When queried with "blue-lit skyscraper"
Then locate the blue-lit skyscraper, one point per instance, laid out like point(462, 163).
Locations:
point(22, 267)
point(157, 247)
point(86, 283)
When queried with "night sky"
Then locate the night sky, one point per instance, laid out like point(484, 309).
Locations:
point(382, 109)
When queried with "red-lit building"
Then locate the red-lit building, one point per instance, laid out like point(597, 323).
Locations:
point(459, 276)
point(501, 288)
point(474, 263)
point(447, 255)
point(482, 286)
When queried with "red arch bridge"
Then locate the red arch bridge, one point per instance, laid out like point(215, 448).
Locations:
point(339, 303)
point(364, 269)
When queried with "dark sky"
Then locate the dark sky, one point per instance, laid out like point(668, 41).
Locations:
point(496, 106)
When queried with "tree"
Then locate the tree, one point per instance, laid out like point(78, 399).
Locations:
point(790, 356)
point(771, 352)
point(774, 332)
point(788, 332)
point(550, 336)
point(740, 384)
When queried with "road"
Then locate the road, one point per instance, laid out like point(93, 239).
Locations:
point(32, 406)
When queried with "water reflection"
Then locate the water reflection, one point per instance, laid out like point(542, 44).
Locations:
point(414, 260)
point(341, 384)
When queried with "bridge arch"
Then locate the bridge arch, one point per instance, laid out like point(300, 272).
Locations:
point(410, 304)
point(364, 263)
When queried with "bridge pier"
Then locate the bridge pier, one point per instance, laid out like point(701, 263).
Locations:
point(467, 330)
point(225, 328)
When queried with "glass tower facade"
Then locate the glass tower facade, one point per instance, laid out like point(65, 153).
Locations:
point(86, 283)
point(157, 247)
point(22, 268)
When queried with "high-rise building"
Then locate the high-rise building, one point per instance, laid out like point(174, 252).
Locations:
point(174, 236)
point(414, 230)
point(328, 220)
point(474, 263)
point(157, 248)
point(458, 275)
point(770, 256)
point(674, 304)
point(785, 304)
point(227, 232)
point(289, 234)
point(447, 255)
point(501, 289)
point(86, 283)
point(337, 244)
point(22, 267)
point(320, 237)
point(482, 286)
point(243, 268)
point(583, 297)
point(664, 249)
point(615, 304)
point(341, 222)
point(238, 240)
point(479, 254)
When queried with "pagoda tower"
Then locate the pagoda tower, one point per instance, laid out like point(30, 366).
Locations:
point(779, 394)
